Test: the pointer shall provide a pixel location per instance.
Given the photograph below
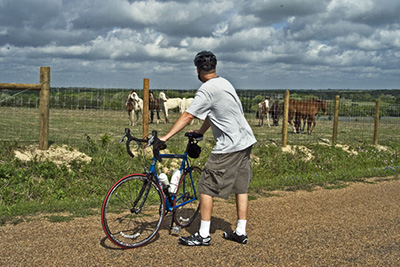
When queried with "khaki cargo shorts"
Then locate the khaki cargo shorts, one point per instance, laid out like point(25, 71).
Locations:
point(226, 173)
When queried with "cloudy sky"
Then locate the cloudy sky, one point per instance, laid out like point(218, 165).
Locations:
point(260, 44)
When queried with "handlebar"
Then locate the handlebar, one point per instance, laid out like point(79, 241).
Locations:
point(154, 140)
point(131, 138)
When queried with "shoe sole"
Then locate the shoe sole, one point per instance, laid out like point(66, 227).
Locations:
point(192, 244)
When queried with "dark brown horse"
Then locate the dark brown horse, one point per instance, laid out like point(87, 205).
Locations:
point(275, 111)
point(154, 105)
point(305, 110)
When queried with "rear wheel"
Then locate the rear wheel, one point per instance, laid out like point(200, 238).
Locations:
point(133, 211)
point(187, 200)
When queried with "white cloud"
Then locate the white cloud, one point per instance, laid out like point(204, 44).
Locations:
point(267, 43)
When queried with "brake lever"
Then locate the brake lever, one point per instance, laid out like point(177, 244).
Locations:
point(150, 141)
point(122, 140)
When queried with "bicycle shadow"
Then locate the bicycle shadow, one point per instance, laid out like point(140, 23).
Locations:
point(216, 224)
point(112, 246)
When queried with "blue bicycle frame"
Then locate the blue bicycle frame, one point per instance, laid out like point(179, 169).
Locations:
point(185, 167)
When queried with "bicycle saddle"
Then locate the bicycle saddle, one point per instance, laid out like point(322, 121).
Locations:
point(194, 135)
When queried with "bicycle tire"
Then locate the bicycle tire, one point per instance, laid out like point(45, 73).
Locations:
point(187, 193)
point(128, 225)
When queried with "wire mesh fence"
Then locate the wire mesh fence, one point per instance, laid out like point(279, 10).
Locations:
point(80, 113)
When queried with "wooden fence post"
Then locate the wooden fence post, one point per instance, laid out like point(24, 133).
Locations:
point(146, 100)
point(285, 119)
point(376, 123)
point(335, 120)
point(44, 105)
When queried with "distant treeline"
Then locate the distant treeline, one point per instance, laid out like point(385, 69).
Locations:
point(353, 102)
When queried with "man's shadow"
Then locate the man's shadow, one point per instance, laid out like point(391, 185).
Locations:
point(216, 224)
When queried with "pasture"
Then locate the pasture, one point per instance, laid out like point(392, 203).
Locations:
point(93, 122)
point(72, 126)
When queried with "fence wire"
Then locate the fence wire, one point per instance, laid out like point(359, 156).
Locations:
point(81, 113)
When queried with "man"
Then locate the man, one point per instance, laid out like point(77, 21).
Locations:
point(228, 167)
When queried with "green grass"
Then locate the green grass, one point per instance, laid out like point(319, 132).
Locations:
point(29, 188)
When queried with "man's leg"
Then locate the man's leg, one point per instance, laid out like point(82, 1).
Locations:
point(242, 204)
point(239, 235)
point(202, 237)
point(206, 207)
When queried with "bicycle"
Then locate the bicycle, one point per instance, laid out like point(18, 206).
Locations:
point(135, 206)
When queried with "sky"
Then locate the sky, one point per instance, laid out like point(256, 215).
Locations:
point(259, 44)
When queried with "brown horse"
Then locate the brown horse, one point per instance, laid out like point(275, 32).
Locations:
point(309, 113)
point(154, 105)
point(261, 112)
point(305, 110)
point(134, 106)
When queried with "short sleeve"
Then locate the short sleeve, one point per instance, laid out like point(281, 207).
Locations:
point(201, 104)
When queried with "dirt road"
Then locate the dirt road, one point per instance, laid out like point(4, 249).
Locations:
point(358, 225)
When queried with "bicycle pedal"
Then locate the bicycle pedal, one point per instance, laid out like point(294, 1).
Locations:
point(175, 230)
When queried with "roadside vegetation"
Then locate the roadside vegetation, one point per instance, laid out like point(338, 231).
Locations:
point(34, 187)
point(77, 187)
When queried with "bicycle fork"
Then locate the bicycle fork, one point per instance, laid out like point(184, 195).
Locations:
point(145, 189)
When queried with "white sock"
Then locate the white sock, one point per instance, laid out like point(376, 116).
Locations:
point(241, 227)
point(205, 228)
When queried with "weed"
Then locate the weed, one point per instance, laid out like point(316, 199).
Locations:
point(34, 187)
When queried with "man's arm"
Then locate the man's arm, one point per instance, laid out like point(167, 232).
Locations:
point(181, 123)
point(204, 127)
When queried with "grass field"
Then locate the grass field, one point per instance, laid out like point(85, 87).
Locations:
point(309, 160)
point(72, 127)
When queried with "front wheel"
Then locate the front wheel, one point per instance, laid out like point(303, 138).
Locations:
point(133, 211)
point(187, 200)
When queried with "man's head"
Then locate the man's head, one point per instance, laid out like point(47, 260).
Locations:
point(205, 61)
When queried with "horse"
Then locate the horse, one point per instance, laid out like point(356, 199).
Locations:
point(134, 105)
point(293, 114)
point(168, 104)
point(186, 102)
point(305, 110)
point(310, 109)
point(154, 105)
point(275, 111)
point(261, 112)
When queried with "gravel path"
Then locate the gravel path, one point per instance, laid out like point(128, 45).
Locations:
point(355, 226)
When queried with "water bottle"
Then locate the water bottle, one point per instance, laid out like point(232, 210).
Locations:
point(163, 179)
point(176, 175)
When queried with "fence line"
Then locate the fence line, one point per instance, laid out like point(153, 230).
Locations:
point(81, 112)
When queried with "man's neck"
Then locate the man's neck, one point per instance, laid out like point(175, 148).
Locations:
point(209, 76)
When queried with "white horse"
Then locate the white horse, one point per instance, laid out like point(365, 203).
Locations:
point(169, 103)
point(186, 102)
point(134, 104)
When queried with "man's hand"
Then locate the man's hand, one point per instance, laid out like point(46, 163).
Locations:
point(159, 144)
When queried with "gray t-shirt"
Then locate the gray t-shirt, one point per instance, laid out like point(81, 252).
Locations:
point(217, 100)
